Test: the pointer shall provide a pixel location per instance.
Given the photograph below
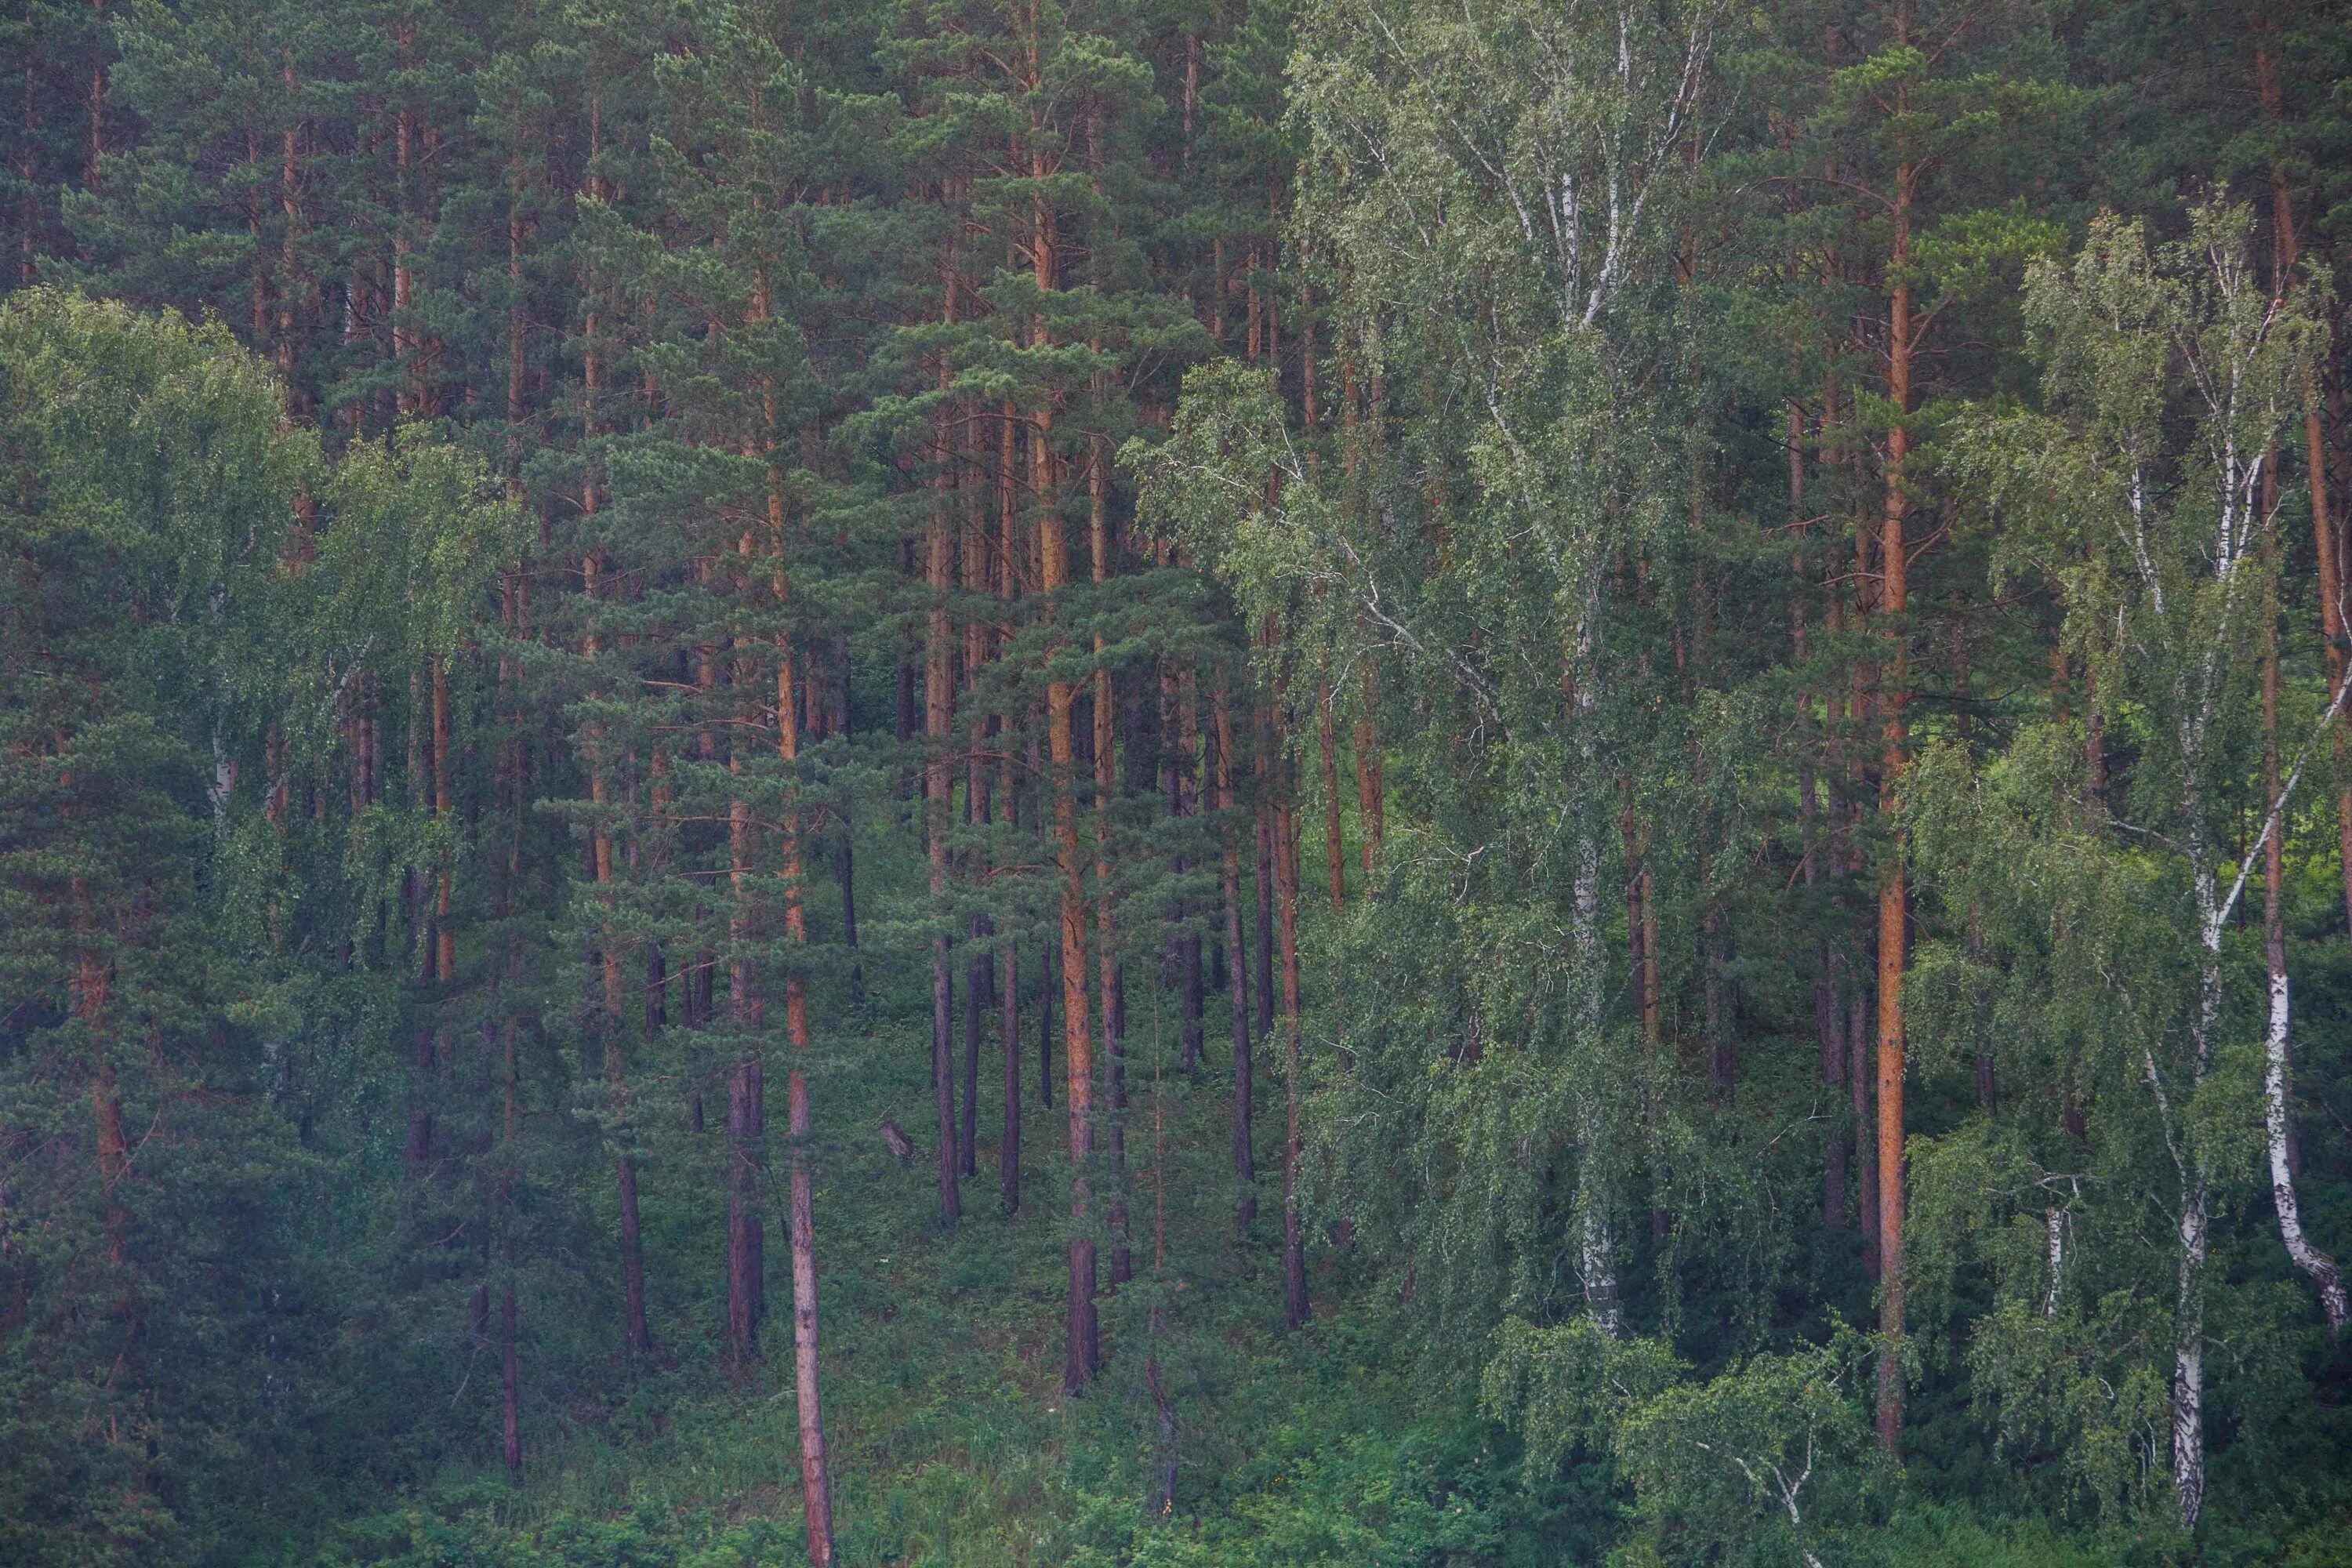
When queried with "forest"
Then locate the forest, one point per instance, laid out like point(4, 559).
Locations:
point(671, 672)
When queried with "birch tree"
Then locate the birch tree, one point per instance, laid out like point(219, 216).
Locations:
point(2169, 373)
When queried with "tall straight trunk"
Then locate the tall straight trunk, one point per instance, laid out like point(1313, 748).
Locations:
point(1008, 1148)
point(510, 1386)
point(1046, 988)
point(510, 1359)
point(746, 1102)
point(1370, 805)
point(978, 813)
point(1263, 976)
point(1163, 1490)
point(1294, 1239)
point(1244, 1155)
point(816, 1481)
point(938, 701)
point(1829, 1026)
point(1082, 1346)
point(1082, 1349)
point(977, 1002)
point(1188, 782)
point(1104, 746)
point(1893, 694)
point(1335, 852)
point(1858, 1078)
point(2189, 1166)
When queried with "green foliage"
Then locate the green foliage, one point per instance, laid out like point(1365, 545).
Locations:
point(577, 580)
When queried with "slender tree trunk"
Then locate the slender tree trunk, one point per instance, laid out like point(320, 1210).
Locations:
point(1335, 852)
point(510, 1386)
point(1294, 1240)
point(1263, 976)
point(1893, 897)
point(1245, 1156)
point(1046, 987)
point(937, 700)
point(976, 1003)
point(1192, 998)
point(1008, 1001)
point(1164, 1493)
point(816, 1480)
point(1858, 1078)
point(1082, 1349)
point(746, 1094)
point(1370, 805)
point(1104, 746)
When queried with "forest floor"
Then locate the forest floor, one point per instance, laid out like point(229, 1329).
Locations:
point(952, 1441)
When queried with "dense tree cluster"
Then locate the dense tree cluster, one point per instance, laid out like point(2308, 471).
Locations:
point(578, 574)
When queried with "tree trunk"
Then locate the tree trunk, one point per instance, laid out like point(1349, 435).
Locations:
point(510, 1387)
point(976, 1002)
point(2278, 1108)
point(1263, 978)
point(1335, 852)
point(816, 1481)
point(1082, 1348)
point(938, 699)
point(1865, 1176)
point(1046, 988)
point(1294, 1240)
point(1008, 1151)
point(1370, 806)
point(1244, 1156)
point(1893, 901)
point(746, 1095)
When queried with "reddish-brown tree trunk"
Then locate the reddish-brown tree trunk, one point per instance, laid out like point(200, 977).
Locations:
point(1244, 1155)
point(1335, 854)
point(938, 704)
point(1008, 1001)
point(1894, 695)
point(1294, 1239)
point(2330, 567)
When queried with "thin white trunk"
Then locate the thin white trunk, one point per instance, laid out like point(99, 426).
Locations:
point(2307, 1258)
point(2188, 1357)
point(2053, 1221)
point(2188, 1160)
point(1596, 1252)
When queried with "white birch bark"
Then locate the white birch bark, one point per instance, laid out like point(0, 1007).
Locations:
point(2322, 1268)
